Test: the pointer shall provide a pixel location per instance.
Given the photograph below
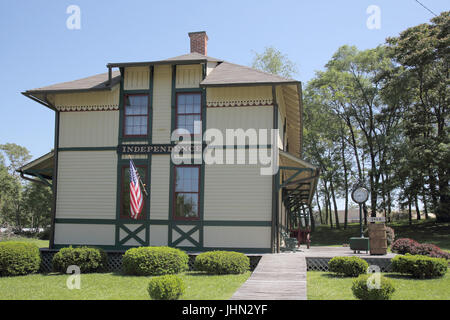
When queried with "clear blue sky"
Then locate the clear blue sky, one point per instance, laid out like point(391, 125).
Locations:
point(38, 50)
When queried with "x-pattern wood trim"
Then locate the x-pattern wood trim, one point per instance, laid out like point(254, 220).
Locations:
point(186, 235)
point(132, 234)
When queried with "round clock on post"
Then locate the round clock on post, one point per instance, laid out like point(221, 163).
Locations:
point(360, 195)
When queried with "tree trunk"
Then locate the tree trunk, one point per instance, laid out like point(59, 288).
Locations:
point(328, 203)
point(416, 202)
point(344, 164)
point(335, 205)
point(433, 192)
point(425, 205)
point(389, 201)
point(311, 217)
point(320, 210)
point(409, 211)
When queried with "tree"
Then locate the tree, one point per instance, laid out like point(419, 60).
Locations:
point(422, 54)
point(273, 61)
point(37, 200)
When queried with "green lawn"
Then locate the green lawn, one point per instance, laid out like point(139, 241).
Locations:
point(111, 286)
point(423, 231)
point(39, 243)
point(326, 286)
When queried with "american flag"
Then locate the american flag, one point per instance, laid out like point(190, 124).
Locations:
point(136, 198)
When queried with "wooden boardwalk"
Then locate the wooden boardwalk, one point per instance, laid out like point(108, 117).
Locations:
point(277, 277)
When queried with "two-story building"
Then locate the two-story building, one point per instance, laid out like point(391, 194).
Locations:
point(134, 110)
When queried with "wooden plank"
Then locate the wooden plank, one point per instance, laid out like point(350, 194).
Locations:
point(277, 277)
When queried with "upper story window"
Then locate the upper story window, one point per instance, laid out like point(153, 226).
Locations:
point(187, 192)
point(135, 115)
point(189, 110)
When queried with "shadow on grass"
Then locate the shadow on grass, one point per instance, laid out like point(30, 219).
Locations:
point(333, 276)
point(400, 276)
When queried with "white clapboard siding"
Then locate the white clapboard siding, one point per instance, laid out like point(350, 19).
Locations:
point(87, 185)
point(88, 234)
point(162, 101)
point(88, 129)
point(236, 237)
point(245, 118)
point(159, 187)
point(158, 235)
point(237, 192)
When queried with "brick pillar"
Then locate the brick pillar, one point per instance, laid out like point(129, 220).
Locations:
point(199, 42)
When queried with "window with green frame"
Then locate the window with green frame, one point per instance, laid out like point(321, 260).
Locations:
point(186, 192)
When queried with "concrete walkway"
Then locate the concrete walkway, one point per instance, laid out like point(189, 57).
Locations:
point(277, 277)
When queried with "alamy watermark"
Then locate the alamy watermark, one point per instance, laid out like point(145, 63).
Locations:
point(234, 146)
point(73, 22)
point(374, 281)
point(74, 280)
point(374, 20)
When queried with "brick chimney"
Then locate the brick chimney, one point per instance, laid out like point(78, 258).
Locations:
point(199, 42)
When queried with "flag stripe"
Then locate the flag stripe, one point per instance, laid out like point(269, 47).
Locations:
point(136, 203)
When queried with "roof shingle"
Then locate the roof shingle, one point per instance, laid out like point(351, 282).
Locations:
point(233, 74)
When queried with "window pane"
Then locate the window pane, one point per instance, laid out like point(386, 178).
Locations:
point(188, 110)
point(186, 205)
point(187, 179)
point(136, 114)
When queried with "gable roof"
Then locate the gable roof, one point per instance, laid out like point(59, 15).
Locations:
point(190, 58)
point(97, 82)
point(228, 73)
point(193, 56)
point(225, 73)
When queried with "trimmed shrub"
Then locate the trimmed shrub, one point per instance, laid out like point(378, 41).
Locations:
point(222, 262)
point(154, 261)
point(348, 266)
point(168, 287)
point(410, 246)
point(431, 250)
point(88, 259)
point(363, 292)
point(390, 235)
point(419, 266)
point(18, 258)
point(405, 245)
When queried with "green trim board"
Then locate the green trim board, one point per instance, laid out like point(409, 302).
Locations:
point(55, 180)
point(112, 148)
point(188, 249)
point(275, 183)
point(215, 223)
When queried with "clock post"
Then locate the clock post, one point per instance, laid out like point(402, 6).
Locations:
point(360, 194)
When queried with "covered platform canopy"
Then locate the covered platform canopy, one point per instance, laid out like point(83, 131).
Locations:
point(41, 168)
point(298, 183)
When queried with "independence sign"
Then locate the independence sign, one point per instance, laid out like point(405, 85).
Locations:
point(157, 148)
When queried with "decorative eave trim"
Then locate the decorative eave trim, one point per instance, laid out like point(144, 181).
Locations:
point(240, 103)
point(88, 108)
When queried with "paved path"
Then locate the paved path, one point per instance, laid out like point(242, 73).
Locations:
point(277, 277)
point(330, 252)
